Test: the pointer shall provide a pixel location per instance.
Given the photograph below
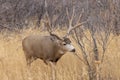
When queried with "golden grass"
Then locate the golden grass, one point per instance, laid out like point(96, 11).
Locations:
point(13, 64)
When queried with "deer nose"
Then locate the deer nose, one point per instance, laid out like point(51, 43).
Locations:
point(73, 50)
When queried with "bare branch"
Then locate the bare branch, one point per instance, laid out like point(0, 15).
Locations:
point(67, 14)
point(80, 16)
point(76, 26)
point(78, 23)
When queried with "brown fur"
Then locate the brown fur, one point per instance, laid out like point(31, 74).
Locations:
point(47, 48)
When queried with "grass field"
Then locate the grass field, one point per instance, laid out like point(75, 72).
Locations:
point(13, 63)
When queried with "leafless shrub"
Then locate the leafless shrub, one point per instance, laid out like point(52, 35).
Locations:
point(17, 13)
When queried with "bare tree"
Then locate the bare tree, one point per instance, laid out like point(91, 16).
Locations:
point(89, 43)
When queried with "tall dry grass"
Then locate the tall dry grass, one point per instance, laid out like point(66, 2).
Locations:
point(13, 63)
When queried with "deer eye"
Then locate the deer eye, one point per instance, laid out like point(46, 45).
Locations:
point(64, 43)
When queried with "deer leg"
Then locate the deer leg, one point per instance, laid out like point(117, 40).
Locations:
point(32, 59)
point(53, 72)
point(29, 61)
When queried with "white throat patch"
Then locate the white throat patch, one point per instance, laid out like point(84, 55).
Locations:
point(69, 47)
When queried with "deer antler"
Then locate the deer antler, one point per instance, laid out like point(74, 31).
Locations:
point(71, 20)
point(48, 22)
point(49, 29)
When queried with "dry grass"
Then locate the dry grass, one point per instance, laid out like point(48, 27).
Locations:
point(13, 64)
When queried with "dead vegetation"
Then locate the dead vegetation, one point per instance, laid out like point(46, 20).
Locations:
point(13, 64)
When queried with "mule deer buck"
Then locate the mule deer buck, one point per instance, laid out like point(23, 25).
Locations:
point(48, 48)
